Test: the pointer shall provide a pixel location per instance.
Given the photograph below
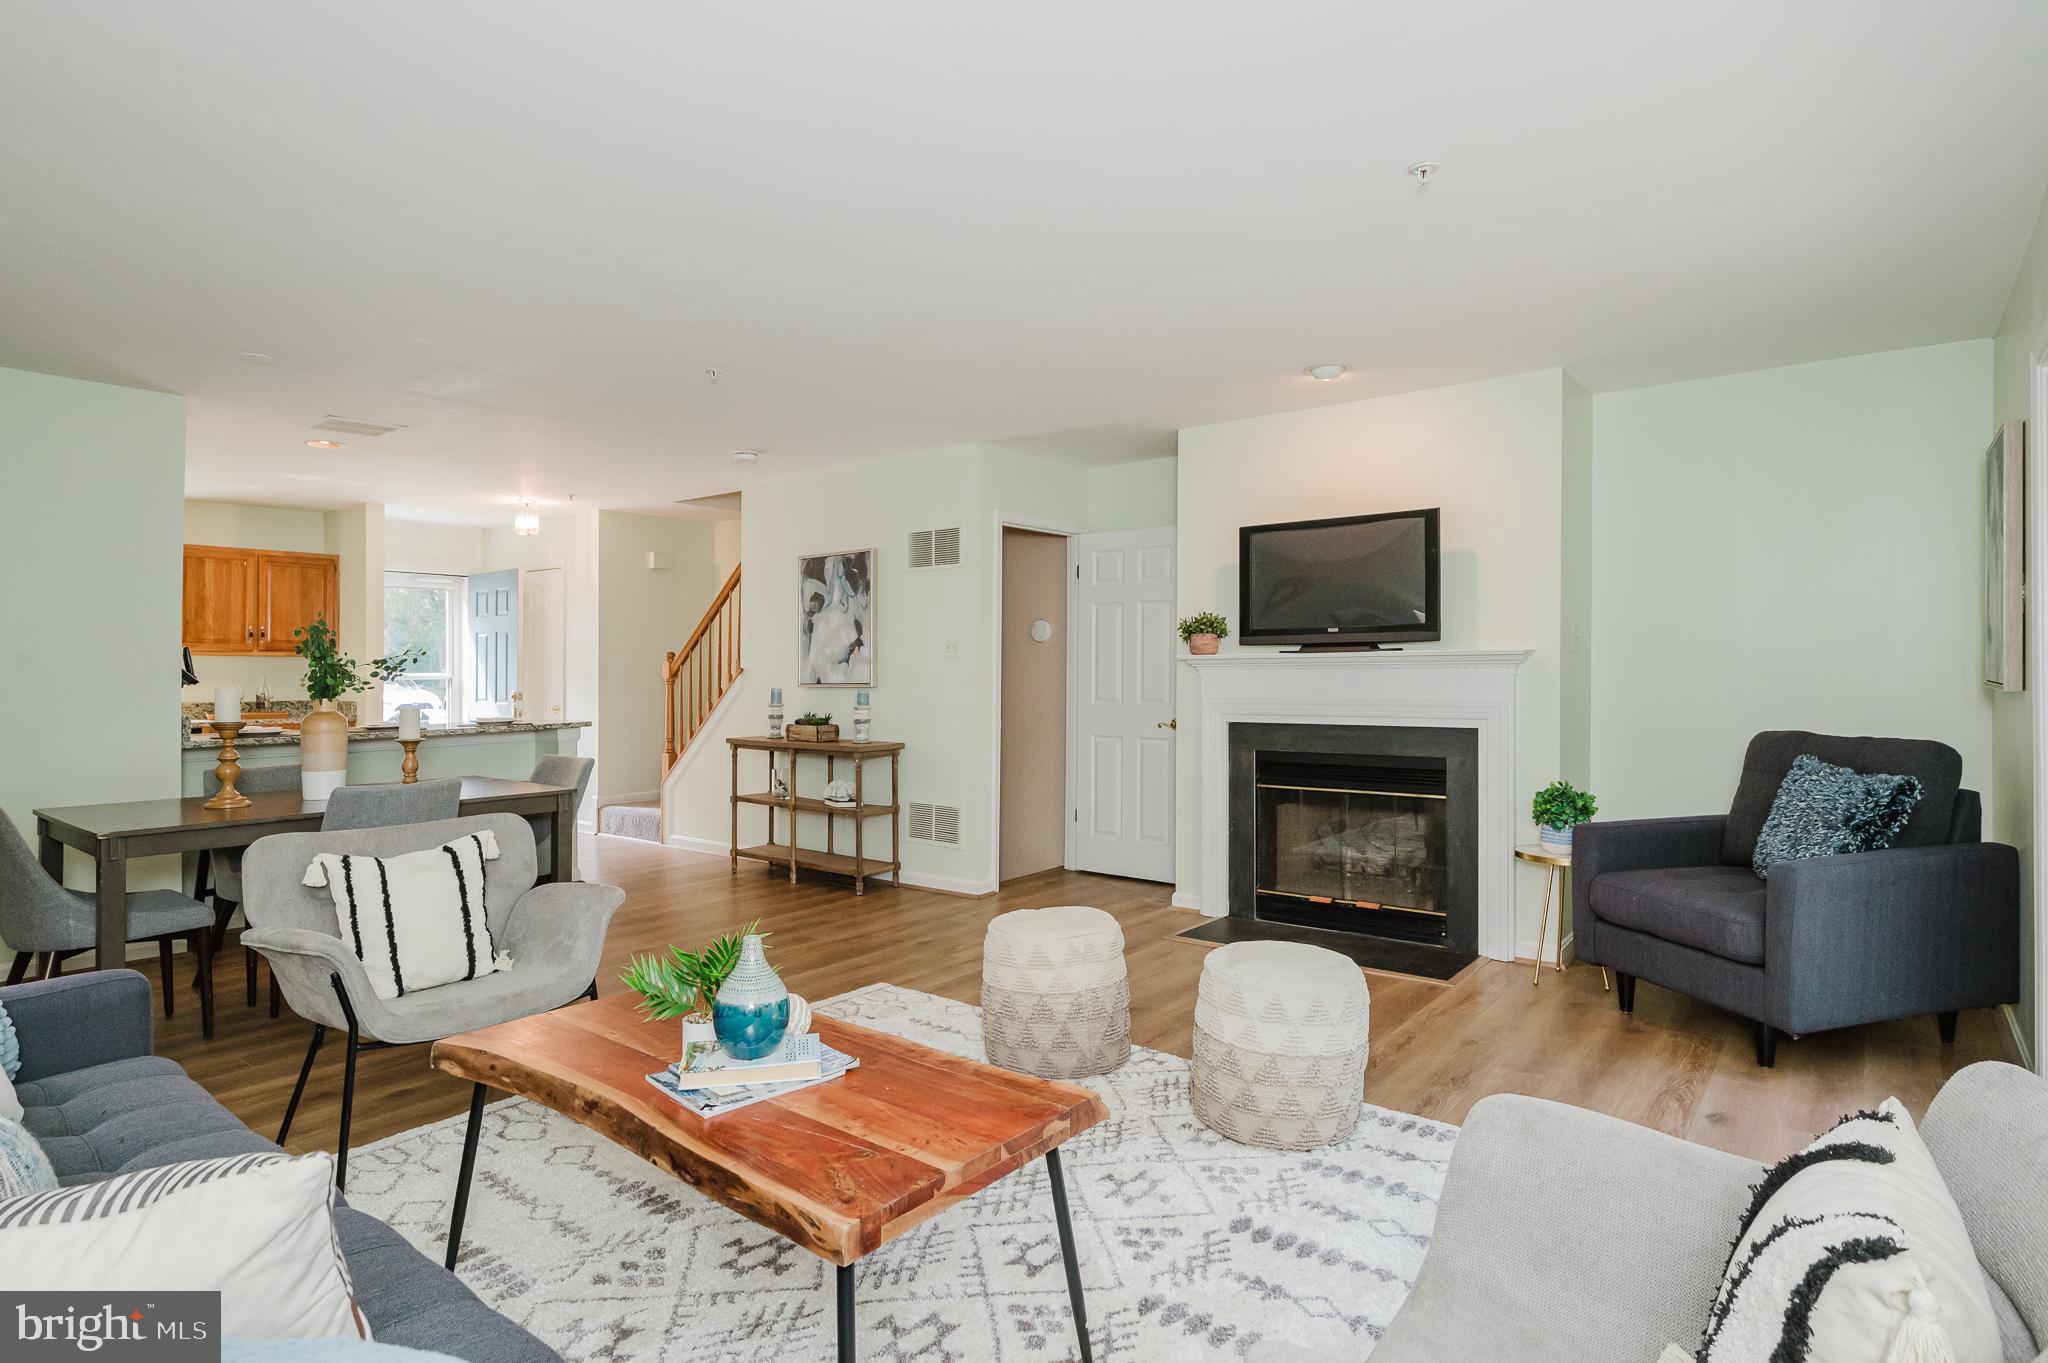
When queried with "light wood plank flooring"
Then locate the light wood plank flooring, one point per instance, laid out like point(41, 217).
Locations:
point(1677, 1065)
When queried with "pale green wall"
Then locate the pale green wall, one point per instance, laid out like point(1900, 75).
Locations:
point(1790, 549)
point(1141, 495)
point(643, 613)
point(1575, 578)
point(90, 548)
point(2022, 335)
point(1490, 454)
point(419, 547)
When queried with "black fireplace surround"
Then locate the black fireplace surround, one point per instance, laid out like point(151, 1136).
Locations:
point(1361, 838)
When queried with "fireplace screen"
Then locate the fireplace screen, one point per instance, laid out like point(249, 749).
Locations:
point(1354, 844)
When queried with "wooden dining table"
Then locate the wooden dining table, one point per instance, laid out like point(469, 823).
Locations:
point(112, 834)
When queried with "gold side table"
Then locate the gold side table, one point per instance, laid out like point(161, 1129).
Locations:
point(1554, 865)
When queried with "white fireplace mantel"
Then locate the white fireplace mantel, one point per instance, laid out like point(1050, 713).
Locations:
point(1462, 689)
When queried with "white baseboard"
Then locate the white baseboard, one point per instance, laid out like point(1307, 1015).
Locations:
point(1526, 950)
point(1183, 900)
point(2019, 1034)
point(944, 884)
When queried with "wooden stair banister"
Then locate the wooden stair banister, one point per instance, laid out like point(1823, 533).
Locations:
point(700, 673)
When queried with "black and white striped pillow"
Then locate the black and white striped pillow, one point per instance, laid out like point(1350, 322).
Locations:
point(417, 920)
point(257, 1228)
point(1852, 1249)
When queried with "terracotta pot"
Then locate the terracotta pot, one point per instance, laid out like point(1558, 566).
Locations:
point(323, 752)
point(1203, 643)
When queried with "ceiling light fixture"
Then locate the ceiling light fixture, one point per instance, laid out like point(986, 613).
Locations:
point(746, 456)
point(1424, 172)
point(325, 444)
point(527, 522)
point(1323, 373)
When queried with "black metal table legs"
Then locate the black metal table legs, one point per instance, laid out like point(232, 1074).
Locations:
point(476, 1121)
point(846, 1313)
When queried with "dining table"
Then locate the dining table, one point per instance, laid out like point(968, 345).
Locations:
point(113, 834)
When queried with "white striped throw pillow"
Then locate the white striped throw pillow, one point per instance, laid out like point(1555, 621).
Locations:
point(417, 920)
point(1852, 1251)
point(256, 1228)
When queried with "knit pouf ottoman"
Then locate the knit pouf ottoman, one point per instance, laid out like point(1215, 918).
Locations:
point(1054, 998)
point(1280, 1043)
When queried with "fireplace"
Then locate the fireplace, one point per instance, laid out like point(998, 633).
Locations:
point(1362, 834)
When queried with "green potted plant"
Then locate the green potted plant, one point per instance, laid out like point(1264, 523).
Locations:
point(812, 727)
point(331, 674)
point(1559, 808)
point(684, 984)
point(1202, 632)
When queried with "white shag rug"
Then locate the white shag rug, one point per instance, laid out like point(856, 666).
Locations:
point(1192, 1247)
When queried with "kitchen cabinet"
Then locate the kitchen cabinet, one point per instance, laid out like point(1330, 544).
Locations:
point(248, 601)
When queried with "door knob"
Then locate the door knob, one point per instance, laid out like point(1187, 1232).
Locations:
point(1167, 724)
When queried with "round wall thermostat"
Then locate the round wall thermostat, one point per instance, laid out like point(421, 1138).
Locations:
point(1041, 630)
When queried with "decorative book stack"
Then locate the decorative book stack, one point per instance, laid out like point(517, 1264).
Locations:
point(709, 1081)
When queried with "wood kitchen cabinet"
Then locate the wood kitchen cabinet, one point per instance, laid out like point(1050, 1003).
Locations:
point(250, 600)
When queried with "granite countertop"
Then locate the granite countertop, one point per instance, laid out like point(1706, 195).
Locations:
point(390, 731)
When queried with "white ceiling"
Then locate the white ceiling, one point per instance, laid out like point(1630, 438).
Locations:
point(526, 230)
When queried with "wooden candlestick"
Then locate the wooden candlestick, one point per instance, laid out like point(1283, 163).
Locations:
point(228, 770)
point(410, 768)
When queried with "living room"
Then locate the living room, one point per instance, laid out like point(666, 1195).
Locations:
point(1277, 996)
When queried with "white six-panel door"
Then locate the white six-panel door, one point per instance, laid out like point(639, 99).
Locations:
point(1120, 768)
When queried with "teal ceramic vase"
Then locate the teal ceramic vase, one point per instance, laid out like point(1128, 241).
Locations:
point(751, 1011)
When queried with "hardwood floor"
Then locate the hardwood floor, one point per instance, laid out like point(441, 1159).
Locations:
point(1676, 1065)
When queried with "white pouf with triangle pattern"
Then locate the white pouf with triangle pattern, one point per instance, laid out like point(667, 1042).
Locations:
point(1280, 1044)
point(1055, 1001)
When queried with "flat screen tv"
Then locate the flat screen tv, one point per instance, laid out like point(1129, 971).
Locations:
point(1348, 583)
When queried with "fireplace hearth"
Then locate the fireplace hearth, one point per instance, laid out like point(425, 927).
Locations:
point(1359, 837)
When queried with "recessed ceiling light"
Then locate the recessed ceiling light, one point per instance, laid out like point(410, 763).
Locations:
point(1323, 373)
point(745, 456)
point(255, 357)
point(325, 444)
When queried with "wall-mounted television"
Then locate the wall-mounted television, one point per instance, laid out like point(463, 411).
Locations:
point(1347, 583)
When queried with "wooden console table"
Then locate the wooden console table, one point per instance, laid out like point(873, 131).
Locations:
point(859, 866)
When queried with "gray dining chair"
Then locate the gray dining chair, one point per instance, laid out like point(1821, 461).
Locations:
point(38, 916)
point(220, 873)
point(553, 932)
point(352, 807)
point(558, 769)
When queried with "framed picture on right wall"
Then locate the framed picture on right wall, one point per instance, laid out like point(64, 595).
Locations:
point(2005, 558)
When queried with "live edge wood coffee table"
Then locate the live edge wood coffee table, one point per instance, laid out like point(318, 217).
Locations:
point(840, 1169)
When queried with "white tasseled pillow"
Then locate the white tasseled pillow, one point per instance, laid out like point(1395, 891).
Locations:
point(415, 920)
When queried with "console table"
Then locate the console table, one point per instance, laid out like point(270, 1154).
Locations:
point(859, 866)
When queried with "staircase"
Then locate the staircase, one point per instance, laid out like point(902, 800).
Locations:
point(701, 673)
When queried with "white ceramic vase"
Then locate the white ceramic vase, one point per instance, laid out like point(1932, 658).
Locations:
point(323, 752)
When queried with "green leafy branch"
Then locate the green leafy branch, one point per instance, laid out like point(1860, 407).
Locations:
point(331, 674)
point(678, 983)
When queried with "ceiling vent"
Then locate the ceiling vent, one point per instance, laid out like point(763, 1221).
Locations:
point(350, 426)
point(934, 823)
point(935, 548)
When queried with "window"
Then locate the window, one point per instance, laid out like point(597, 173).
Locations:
point(424, 611)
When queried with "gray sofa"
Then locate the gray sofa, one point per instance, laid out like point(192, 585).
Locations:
point(1930, 925)
point(1565, 1236)
point(101, 1104)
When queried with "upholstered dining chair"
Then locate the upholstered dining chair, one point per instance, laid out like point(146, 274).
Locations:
point(220, 873)
point(387, 806)
point(40, 917)
point(553, 932)
point(558, 769)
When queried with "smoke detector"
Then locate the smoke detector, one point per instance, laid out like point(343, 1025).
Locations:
point(1323, 373)
point(746, 456)
point(1424, 172)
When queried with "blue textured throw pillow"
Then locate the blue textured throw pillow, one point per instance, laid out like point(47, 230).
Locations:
point(1823, 809)
point(10, 1045)
point(24, 1168)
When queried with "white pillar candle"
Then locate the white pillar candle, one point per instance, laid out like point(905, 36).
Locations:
point(227, 704)
point(409, 722)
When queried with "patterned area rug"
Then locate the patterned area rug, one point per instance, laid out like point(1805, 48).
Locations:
point(1192, 1247)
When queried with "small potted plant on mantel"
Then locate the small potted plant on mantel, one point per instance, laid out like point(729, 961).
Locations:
point(330, 675)
point(1203, 632)
point(1559, 808)
point(812, 727)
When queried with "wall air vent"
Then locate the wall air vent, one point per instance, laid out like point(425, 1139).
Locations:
point(934, 823)
point(935, 548)
point(350, 426)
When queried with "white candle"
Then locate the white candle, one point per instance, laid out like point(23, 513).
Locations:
point(409, 721)
point(227, 704)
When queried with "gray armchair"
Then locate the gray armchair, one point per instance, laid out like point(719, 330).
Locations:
point(554, 932)
point(1930, 925)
